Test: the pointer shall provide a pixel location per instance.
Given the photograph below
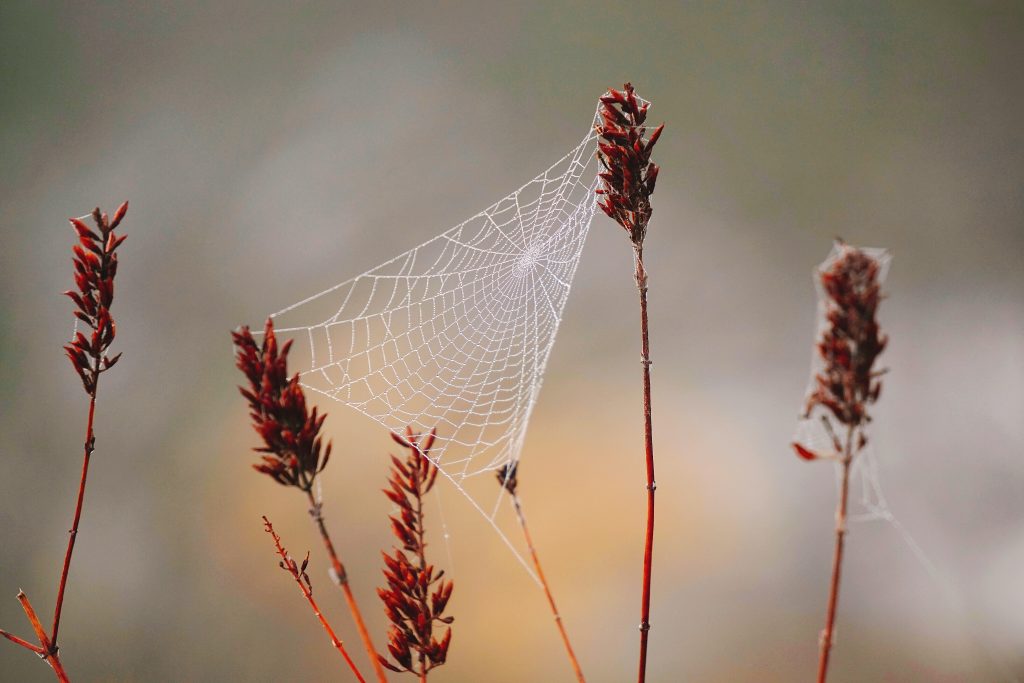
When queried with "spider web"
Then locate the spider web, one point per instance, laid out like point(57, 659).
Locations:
point(813, 431)
point(455, 333)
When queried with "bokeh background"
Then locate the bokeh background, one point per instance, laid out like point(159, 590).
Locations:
point(272, 149)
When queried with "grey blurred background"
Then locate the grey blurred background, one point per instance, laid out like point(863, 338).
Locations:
point(270, 150)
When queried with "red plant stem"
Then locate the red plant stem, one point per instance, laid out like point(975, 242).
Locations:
point(341, 578)
point(424, 608)
point(49, 649)
point(20, 641)
point(289, 564)
point(90, 442)
point(547, 591)
point(837, 559)
point(645, 360)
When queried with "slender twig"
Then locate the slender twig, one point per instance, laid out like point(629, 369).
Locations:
point(547, 590)
point(837, 557)
point(90, 441)
point(645, 360)
point(299, 574)
point(340, 577)
point(20, 641)
point(628, 178)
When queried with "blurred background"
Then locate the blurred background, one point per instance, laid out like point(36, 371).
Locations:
point(272, 150)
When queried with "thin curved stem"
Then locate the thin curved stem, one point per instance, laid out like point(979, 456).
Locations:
point(547, 590)
point(289, 565)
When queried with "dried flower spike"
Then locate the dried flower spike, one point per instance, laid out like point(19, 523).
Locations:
point(416, 594)
point(95, 268)
point(294, 450)
point(848, 346)
point(846, 385)
point(95, 265)
point(628, 176)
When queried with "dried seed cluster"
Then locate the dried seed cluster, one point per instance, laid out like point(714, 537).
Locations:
point(416, 595)
point(629, 175)
point(293, 448)
point(95, 268)
point(850, 344)
point(507, 476)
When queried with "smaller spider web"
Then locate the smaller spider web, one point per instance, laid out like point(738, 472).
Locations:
point(868, 502)
point(455, 334)
point(813, 431)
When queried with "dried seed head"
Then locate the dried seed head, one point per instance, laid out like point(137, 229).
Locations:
point(416, 595)
point(849, 345)
point(95, 264)
point(294, 451)
point(628, 175)
point(507, 476)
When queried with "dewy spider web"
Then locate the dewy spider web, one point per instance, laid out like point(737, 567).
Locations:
point(455, 334)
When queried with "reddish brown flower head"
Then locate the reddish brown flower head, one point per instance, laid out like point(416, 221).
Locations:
point(628, 175)
point(95, 268)
point(416, 595)
point(294, 451)
point(851, 341)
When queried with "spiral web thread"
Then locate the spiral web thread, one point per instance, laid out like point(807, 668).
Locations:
point(455, 333)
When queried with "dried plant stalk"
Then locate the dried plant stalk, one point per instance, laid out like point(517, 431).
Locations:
point(848, 347)
point(627, 183)
point(298, 573)
point(95, 261)
point(508, 478)
point(294, 452)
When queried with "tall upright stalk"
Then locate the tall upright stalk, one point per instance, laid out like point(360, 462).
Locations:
point(645, 360)
point(628, 177)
